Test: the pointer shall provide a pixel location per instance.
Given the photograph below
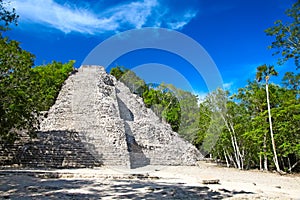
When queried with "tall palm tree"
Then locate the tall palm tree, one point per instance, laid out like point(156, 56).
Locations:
point(264, 72)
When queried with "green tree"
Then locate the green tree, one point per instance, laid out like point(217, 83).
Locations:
point(287, 36)
point(257, 138)
point(286, 115)
point(7, 17)
point(204, 121)
point(264, 72)
point(165, 104)
point(18, 111)
point(151, 97)
point(118, 71)
point(171, 109)
point(287, 122)
point(291, 81)
point(24, 90)
point(133, 82)
point(210, 128)
point(223, 132)
point(160, 99)
point(48, 80)
point(252, 98)
point(189, 112)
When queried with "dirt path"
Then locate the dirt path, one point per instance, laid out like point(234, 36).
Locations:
point(151, 182)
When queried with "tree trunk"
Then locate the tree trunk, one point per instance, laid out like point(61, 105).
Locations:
point(237, 153)
point(282, 162)
point(232, 160)
point(265, 152)
point(294, 165)
point(271, 130)
point(289, 163)
point(227, 162)
point(260, 162)
point(237, 149)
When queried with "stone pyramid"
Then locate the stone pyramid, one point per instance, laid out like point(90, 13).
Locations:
point(113, 124)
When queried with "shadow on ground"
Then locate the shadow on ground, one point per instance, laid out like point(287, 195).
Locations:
point(27, 186)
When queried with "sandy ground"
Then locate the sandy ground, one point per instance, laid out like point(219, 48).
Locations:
point(150, 182)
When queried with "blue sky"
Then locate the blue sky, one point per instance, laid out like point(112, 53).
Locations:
point(231, 31)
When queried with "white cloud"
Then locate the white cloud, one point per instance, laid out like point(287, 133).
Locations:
point(61, 17)
point(70, 18)
point(135, 13)
point(227, 86)
point(185, 19)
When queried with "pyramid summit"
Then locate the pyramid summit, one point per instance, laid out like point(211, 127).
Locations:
point(97, 120)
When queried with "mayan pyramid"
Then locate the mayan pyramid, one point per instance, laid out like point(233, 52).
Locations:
point(113, 124)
